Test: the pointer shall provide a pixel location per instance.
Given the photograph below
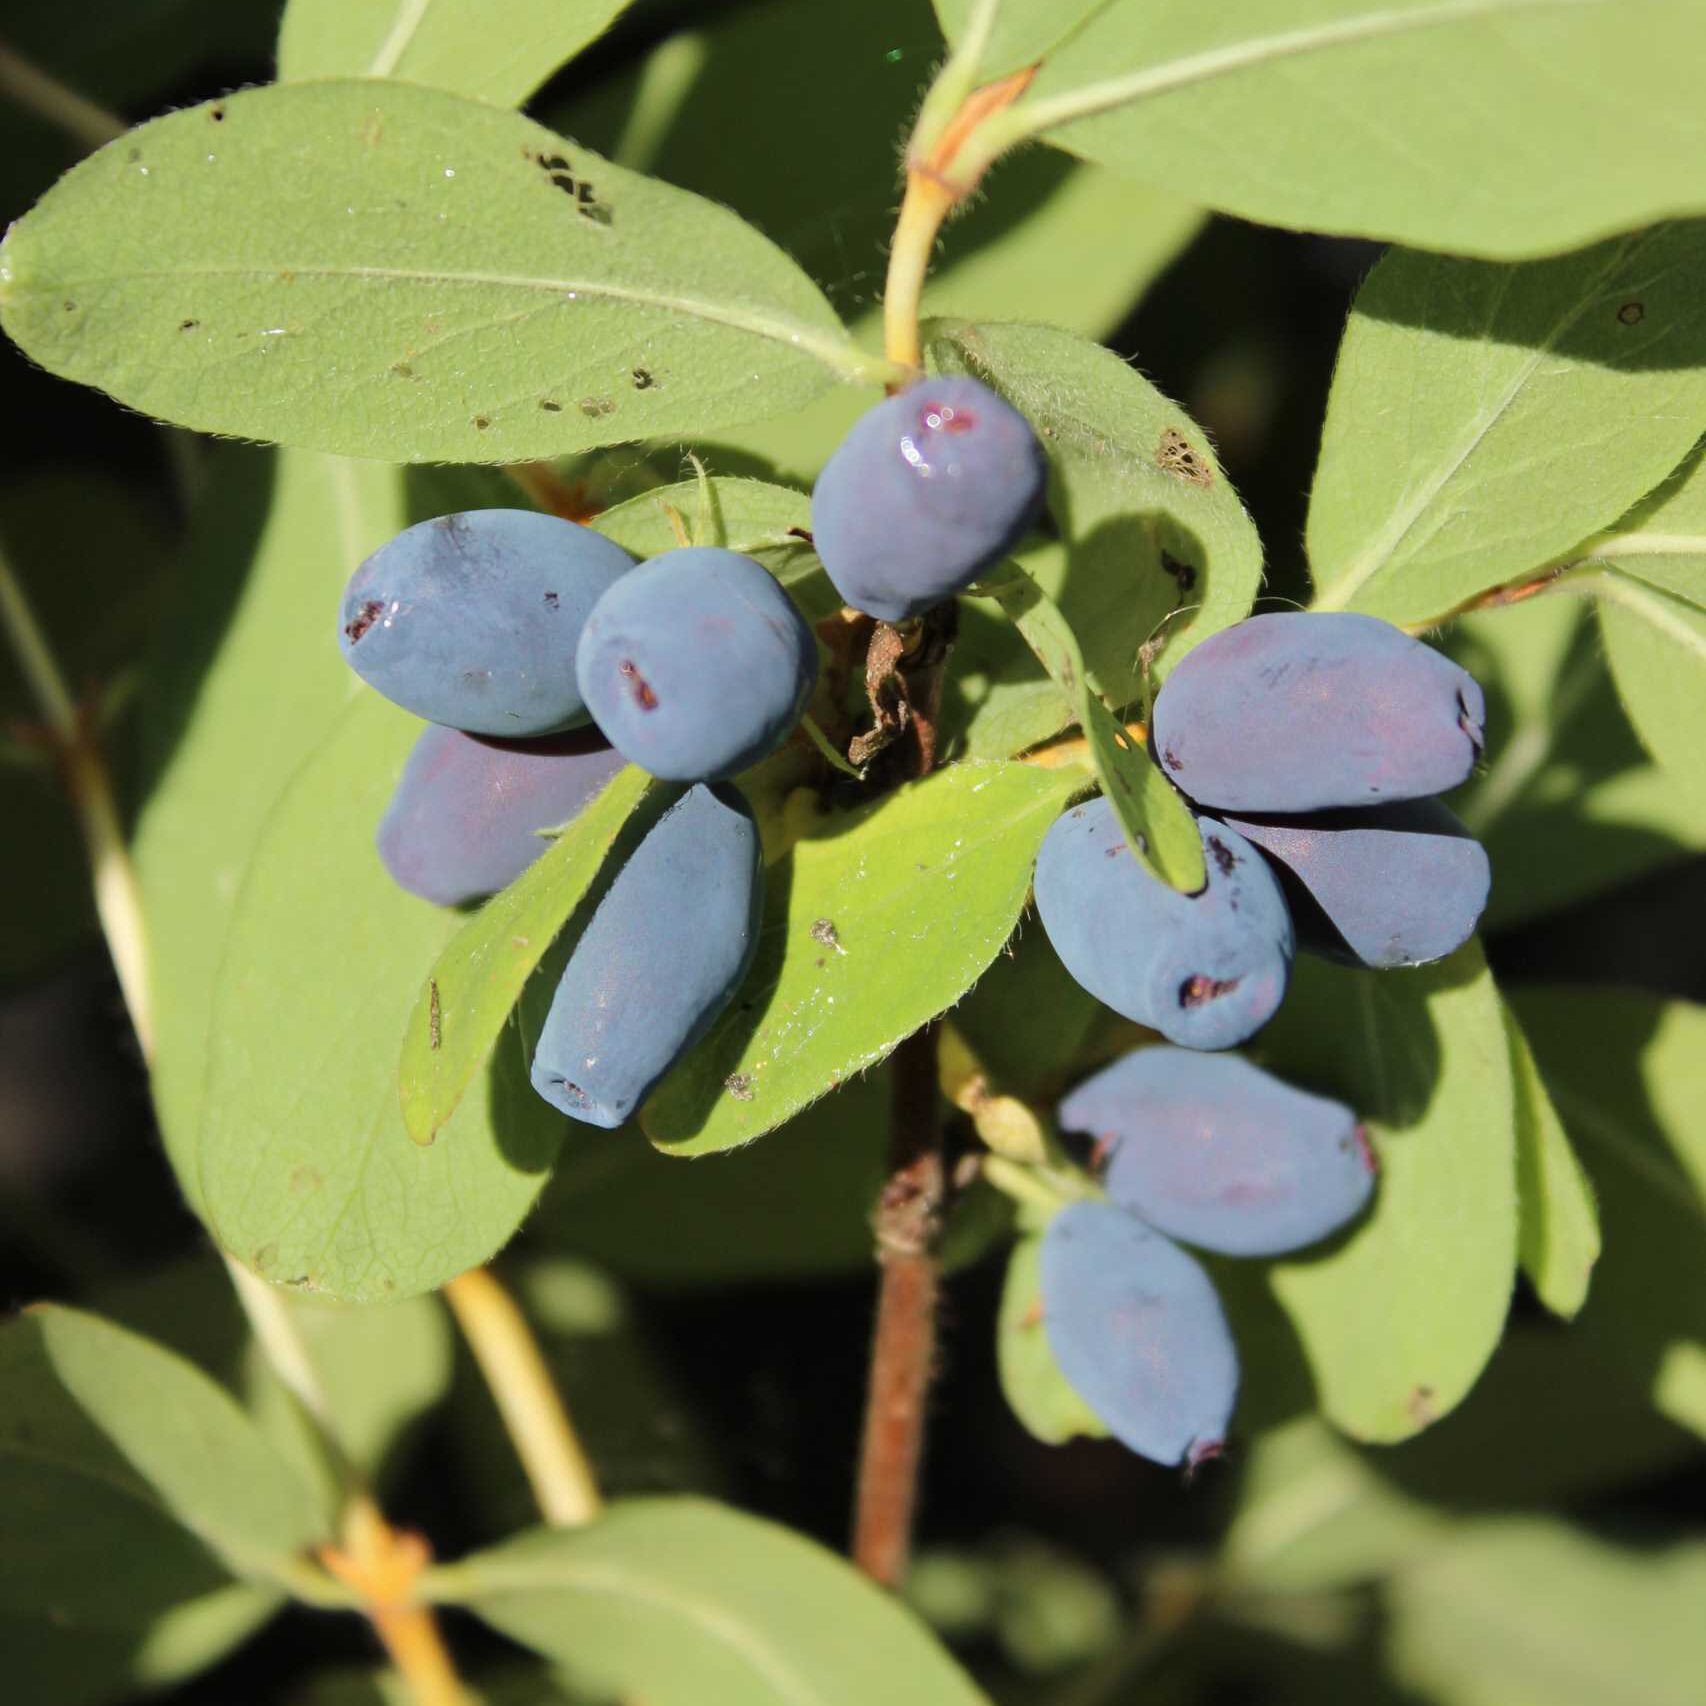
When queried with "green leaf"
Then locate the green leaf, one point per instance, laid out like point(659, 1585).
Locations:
point(1479, 126)
point(1031, 1380)
point(1628, 1075)
point(763, 521)
point(390, 271)
point(244, 684)
point(1537, 1613)
point(1537, 404)
point(471, 991)
point(1569, 804)
point(1399, 1316)
point(1158, 824)
point(1657, 647)
point(916, 894)
point(683, 1603)
point(95, 1411)
point(1159, 551)
point(1558, 1225)
point(797, 1205)
point(307, 1173)
point(451, 44)
point(1662, 541)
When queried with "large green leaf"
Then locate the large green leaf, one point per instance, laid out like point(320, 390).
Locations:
point(1537, 1613)
point(877, 920)
point(1628, 1075)
point(1159, 551)
point(1663, 539)
point(451, 44)
point(1399, 1316)
point(116, 1451)
point(683, 1603)
point(1494, 127)
point(245, 683)
point(473, 986)
point(1486, 418)
point(1558, 1228)
point(1657, 647)
point(1569, 804)
point(306, 1171)
point(390, 271)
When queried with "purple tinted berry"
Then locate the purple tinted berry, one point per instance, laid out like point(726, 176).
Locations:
point(1136, 1327)
point(931, 488)
point(1213, 1151)
point(661, 957)
point(466, 816)
point(471, 620)
point(1205, 970)
point(1295, 712)
point(1396, 885)
point(696, 665)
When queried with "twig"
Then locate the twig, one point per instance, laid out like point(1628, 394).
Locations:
point(88, 125)
point(521, 1385)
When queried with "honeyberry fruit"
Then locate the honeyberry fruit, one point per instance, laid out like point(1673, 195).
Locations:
point(696, 665)
point(930, 489)
point(465, 820)
point(1396, 885)
point(1205, 970)
point(1136, 1328)
point(1298, 712)
point(471, 620)
point(661, 957)
point(1217, 1153)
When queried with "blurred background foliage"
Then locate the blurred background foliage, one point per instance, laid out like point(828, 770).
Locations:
point(1542, 1546)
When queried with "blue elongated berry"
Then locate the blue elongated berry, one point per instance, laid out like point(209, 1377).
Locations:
point(471, 620)
point(930, 488)
point(1296, 712)
point(660, 959)
point(1136, 1327)
point(1205, 970)
point(1218, 1153)
point(1396, 885)
point(696, 665)
point(466, 816)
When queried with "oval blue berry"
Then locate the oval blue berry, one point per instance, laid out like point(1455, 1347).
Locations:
point(661, 957)
point(466, 816)
point(471, 620)
point(1218, 1153)
point(1396, 885)
point(1296, 712)
point(696, 665)
point(929, 490)
point(1138, 1331)
point(1205, 970)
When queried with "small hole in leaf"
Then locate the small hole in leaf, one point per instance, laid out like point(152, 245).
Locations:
point(550, 406)
point(481, 422)
point(1632, 313)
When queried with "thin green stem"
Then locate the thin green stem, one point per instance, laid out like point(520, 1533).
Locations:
point(954, 82)
point(88, 125)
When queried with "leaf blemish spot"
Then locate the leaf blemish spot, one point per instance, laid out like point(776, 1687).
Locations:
point(739, 1085)
point(643, 380)
point(594, 408)
point(1174, 455)
point(1632, 313)
point(481, 422)
point(550, 406)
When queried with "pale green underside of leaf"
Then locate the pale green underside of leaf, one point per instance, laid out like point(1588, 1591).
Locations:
point(922, 889)
point(1528, 1612)
point(1031, 1381)
point(1398, 1317)
point(1628, 1075)
point(1490, 127)
point(679, 1602)
point(1558, 1224)
point(307, 1173)
point(1657, 647)
point(474, 984)
point(1158, 825)
point(248, 683)
point(1136, 492)
point(450, 44)
point(389, 271)
point(1485, 419)
point(89, 1403)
